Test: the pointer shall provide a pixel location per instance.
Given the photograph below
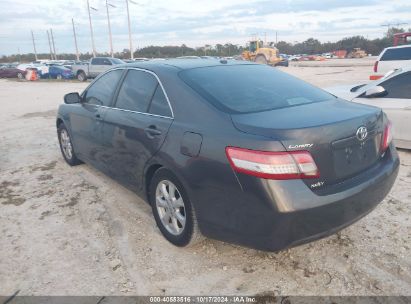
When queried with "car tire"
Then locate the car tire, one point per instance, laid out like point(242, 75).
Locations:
point(20, 75)
point(66, 146)
point(81, 76)
point(260, 59)
point(169, 213)
point(59, 77)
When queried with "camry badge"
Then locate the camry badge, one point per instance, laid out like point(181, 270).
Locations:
point(361, 133)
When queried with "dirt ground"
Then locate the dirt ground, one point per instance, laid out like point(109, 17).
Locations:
point(74, 231)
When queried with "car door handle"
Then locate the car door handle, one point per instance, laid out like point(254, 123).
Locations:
point(98, 116)
point(152, 131)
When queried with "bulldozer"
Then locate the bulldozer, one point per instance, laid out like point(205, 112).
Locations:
point(357, 53)
point(259, 53)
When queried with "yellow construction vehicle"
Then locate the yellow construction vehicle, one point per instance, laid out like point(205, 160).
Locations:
point(259, 53)
point(357, 53)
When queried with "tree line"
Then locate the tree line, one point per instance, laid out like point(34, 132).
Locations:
point(309, 46)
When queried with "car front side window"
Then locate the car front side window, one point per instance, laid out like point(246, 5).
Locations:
point(398, 86)
point(102, 90)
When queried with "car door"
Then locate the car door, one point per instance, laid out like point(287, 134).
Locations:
point(52, 72)
point(105, 65)
point(396, 104)
point(135, 128)
point(95, 67)
point(86, 117)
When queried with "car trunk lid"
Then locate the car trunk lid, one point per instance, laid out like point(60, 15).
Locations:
point(328, 130)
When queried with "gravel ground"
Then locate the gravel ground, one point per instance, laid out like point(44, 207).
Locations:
point(74, 231)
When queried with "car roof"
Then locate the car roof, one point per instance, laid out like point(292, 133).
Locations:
point(398, 47)
point(184, 64)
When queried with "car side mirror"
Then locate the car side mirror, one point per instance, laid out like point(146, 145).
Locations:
point(376, 91)
point(71, 98)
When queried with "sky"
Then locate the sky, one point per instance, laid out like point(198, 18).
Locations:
point(191, 22)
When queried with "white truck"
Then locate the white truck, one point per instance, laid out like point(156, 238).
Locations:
point(94, 67)
point(392, 58)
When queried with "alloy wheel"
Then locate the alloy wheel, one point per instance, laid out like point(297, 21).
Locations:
point(170, 207)
point(66, 144)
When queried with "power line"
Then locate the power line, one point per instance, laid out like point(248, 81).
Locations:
point(388, 25)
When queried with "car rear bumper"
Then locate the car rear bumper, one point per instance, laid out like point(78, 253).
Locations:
point(284, 214)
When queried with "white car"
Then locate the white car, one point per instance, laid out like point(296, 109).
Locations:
point(392, 93)
point(391, 58)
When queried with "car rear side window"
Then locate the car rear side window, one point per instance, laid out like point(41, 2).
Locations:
point(250, 88)
point(398, 86)
point(136, 91)
point(403, 53)
point(102, 90)
point(159, 104)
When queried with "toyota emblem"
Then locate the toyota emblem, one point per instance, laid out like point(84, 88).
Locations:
point(361, 133)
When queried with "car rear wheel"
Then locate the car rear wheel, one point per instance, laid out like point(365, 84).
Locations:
point(173, 210)
point(66, 146)
point(81, 76)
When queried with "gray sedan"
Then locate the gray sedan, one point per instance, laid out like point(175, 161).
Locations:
point(231, 150)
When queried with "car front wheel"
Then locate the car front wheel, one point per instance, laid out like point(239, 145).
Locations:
point(172, 209)
point(66, 146)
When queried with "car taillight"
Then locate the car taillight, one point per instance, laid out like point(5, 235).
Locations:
point(386, 137)
point(273, 165)
point(376, 66)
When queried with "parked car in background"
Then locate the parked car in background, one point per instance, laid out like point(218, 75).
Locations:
point(7, 72)
point(392, 93)
point(238, 151)
point(58, 72)
point(188, 57)
point(284, 61)
point(94, 67)
point(327, 55)
point(294, 57)
point(393, 58)
point(40, 68)
point(141, 59)
point(25, 66)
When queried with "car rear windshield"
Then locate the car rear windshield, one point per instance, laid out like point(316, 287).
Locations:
point(251, 88)
point(403, 53)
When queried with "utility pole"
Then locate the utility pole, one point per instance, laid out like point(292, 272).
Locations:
point(51, 51)
point(34, 45)
point(91, 30)
point(109, 29)
point(276, 37)
point(75, 40)
point(129, 33)
point(54, 46)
